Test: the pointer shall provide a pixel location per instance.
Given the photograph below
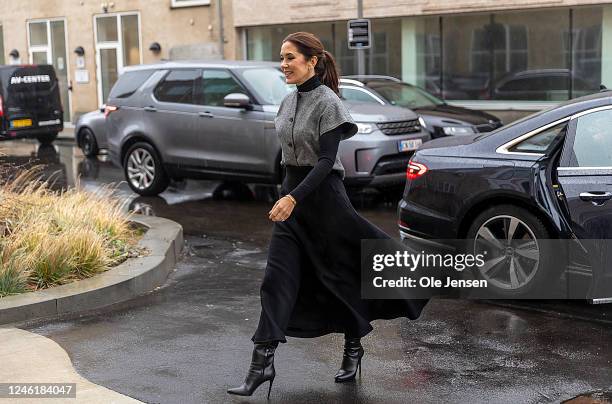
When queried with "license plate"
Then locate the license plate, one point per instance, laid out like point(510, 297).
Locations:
point(21, 123)
point(407, 145)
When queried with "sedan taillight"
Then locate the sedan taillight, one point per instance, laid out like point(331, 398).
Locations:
point(415, 170)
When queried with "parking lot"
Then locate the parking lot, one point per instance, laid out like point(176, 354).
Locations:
point(166, 346)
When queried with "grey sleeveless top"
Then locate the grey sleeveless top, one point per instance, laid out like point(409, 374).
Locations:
point(303, 117)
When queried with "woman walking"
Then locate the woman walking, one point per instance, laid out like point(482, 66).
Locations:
point(311, 285)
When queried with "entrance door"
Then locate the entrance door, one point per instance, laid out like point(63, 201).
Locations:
point(47, 45)
point(117, 46)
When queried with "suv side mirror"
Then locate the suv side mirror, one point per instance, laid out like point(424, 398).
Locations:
point(237, 100)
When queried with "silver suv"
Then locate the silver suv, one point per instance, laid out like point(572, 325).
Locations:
point(215, 120)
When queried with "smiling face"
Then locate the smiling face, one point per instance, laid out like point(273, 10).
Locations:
point(295, 66)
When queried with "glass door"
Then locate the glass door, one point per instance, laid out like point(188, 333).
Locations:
point(47, 45)
point(117, 46)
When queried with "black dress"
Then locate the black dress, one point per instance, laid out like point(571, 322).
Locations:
point(312, 281)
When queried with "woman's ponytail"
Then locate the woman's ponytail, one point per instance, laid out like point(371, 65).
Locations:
point(327, 71)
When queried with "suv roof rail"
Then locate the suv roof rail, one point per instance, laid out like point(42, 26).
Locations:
point(372, 76)
point(351, 81)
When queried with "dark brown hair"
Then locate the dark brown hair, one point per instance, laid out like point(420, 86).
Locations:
point(309, 45)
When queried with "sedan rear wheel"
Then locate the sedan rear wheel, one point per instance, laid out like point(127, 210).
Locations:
point(517, 252)
point(519, 259)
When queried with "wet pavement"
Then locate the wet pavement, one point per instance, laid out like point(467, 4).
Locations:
point(189, 340)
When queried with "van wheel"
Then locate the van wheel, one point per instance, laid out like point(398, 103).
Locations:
point(87, 142)
point(46, 138)
point(519, 262)
point(144, 171)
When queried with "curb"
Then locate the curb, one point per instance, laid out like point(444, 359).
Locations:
point(164, 238)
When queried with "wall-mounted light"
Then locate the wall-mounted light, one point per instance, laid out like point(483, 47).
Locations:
point(14, 58)
point(155, 47)
point(106, 5)
point(79, 51)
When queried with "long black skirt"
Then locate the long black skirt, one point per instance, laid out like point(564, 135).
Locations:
point(312, 281)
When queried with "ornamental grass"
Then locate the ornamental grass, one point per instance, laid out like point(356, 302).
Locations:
point(50, 238)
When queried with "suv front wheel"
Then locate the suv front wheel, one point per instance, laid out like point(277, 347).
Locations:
point(87, 142)
point(144, 171)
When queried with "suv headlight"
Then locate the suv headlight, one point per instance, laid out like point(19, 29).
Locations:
point(365, 128)
point(422, 122)
point(458, 130)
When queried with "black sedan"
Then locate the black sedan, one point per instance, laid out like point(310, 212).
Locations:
point(545, 177)
point(439, 118)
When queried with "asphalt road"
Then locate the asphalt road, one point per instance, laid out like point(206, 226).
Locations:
point(189, 340)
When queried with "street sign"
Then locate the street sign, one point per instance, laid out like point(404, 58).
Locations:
point(359, 33)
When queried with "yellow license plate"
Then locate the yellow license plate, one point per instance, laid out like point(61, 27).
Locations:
point(21, 123)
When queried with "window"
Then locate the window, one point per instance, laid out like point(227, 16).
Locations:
point(129, 82)
point(543, 142)
point(107, 29)
point(38, 34)
point(517, 85)
point(178, 87)
point(130, 39)
point(353, 94)
point(216, 84)
point(509, 46)
point(268, 83)
point(118, 45)
point(593, 142)
point(583, 49)
point(189, 3)
point(480, 55)
point(384, 56)
point(502, 45)
point(404, 95)
point(47, 45)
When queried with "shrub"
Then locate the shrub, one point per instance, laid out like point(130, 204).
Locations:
point(49, 238)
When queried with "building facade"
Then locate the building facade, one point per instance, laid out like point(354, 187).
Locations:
point(519, 55)
point(89, 42)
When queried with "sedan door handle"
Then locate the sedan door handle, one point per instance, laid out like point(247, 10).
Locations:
point(205, 115)
point(150, 109)
point(596, 196)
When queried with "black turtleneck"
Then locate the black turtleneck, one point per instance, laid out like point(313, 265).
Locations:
point(309, 84)
point(328, 149)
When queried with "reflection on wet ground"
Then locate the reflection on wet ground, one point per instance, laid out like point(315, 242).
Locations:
point(43, 157)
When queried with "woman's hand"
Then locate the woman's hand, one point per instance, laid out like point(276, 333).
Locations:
point(282, 209)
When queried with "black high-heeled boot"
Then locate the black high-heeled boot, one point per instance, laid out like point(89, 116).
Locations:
point(260, 371)
point(351, 361)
